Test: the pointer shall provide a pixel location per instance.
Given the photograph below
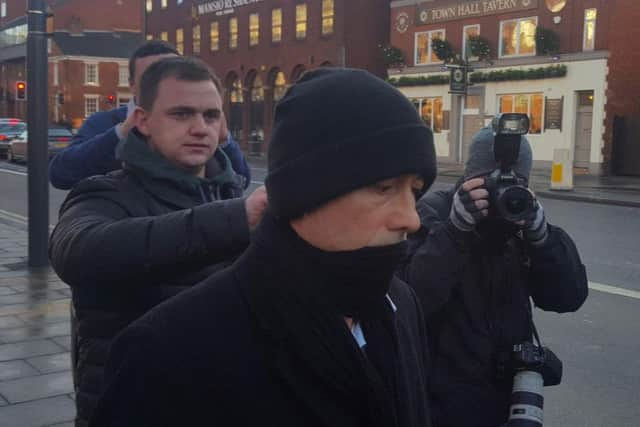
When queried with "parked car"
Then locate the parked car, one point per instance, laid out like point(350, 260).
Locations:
point(9, 129)
point(59, 138)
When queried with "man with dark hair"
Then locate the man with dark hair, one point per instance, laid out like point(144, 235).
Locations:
point(131, 239)
point(308, 327)
point(92, 150)
point(475, 272)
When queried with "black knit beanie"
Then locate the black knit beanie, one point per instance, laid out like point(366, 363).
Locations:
point(340, 129)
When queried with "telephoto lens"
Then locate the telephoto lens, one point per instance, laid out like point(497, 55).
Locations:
point(526, 400)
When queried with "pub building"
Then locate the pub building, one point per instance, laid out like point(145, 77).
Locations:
point(577, 79)
point(260, 47)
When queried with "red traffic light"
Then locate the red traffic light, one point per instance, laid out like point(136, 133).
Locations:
point(21, 85)
point(111, 99)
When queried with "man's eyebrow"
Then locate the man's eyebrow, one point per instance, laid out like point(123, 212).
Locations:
point(181, 109)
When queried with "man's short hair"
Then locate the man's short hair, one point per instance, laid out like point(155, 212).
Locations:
point(180, 68)
point(150, 48)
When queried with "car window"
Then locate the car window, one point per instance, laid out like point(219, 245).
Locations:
point(59, 132)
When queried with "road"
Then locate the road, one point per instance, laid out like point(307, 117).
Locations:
point(599, 344)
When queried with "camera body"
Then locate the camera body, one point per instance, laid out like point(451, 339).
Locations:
point(509, 194)
point(529, 357)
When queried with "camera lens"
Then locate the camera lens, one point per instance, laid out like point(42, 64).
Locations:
point(516, 201)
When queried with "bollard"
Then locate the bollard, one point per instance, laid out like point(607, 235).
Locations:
point(561, 170)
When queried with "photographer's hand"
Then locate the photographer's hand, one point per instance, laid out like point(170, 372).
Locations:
point(536, 230)
point(470, 205)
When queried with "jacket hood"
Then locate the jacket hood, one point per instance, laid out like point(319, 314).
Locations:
point(137, 156)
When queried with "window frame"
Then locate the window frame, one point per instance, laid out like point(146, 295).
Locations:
point(273, 25)
point(180, 40)
point(306, 21)
point(464, 42)
point(429, 41)
point(584, 30)
point(92, 97)
point(214, 43)
point(233, 36)
point(87, 82)
point(529, 104)
point(254, 42)
point(332, 17)
point(196, 39)
point(500, 39)
point(430, 99)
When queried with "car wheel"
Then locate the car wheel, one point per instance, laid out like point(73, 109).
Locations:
point(10, 157)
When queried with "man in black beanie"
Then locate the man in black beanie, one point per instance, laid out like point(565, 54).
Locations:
point(309, 327)
point(474, 272)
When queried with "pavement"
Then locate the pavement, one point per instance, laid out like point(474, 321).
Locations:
point(36, 388)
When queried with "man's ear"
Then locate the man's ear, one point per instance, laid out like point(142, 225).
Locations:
point(141, 121)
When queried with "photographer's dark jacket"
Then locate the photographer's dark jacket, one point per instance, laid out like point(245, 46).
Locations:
point(131, 239)
point(259, 345)
point(475, 295)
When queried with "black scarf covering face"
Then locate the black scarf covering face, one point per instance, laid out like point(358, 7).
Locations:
point(299, 296)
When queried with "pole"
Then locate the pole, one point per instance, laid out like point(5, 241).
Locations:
point(37, 123)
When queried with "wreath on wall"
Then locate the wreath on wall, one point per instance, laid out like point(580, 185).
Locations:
point(547, 41)
point(392, 56)
point(443, 50)
point(479, 46)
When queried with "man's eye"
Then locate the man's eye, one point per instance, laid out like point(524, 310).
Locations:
point(382, 188)
point(211, 116)
point(181, 115)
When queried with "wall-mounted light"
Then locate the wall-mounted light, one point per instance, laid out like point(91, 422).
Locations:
point(557, 19)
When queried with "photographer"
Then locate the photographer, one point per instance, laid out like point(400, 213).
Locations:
point(474, 272)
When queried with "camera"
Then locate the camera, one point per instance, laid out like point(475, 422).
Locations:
point(509, 194)
point(533, 367)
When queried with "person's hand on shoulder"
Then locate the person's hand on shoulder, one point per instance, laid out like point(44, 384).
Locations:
point(255, 205)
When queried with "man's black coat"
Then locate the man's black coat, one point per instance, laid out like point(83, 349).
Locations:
point(475, 294)
point(129, 240)
point(205, 358)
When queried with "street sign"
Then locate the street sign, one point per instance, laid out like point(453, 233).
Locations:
point(458, 79)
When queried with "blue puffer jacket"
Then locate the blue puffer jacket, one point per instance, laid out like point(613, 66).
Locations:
point(92, 152)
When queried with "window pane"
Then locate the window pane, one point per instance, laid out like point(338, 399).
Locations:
point(280, 86)
point(590, 14)
point(422, 48)
point(527, 36)
point(437, 115)
point(180, 40)
point(301, 21)
point(327, 16)
point(164, 36)
point(254, 29)
point(276, 25)
point(123, 75)
point(427, 112)
point(233, 33)
point(469, 32)
point(196, 39)
point(509, 38)
point(214, 34)
point(149, 36)
point(149, 5)
point(435, 35)
point(236, 92)
point(257, 91)
point(536, 113)
point(521, 104)
point(506, 104)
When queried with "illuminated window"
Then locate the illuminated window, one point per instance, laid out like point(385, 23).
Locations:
point(531, 104)
point(164, 4)
point(430, 110)
point(424, 54)
point(149, 5)
point(301, 21)
point(3, 8)
point(123, 75)
point(236, 95)
point(518, 37)
point(276, 25)
point(589, 40)
point(279, 86)
point(233, 33)
point(180, 41)
point(327, 16)
point(254, 29)
point(149, 36)
point(195, 38)
point(214, 36)
point(164, 36)
point(467, 32)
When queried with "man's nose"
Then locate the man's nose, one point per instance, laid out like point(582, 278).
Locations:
point(198, 125)
point(406, 217)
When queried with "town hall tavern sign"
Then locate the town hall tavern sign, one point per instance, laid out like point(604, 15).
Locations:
point(471, 9)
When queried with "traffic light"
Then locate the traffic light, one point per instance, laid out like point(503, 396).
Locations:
point(111, 99)
point(21, 91)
